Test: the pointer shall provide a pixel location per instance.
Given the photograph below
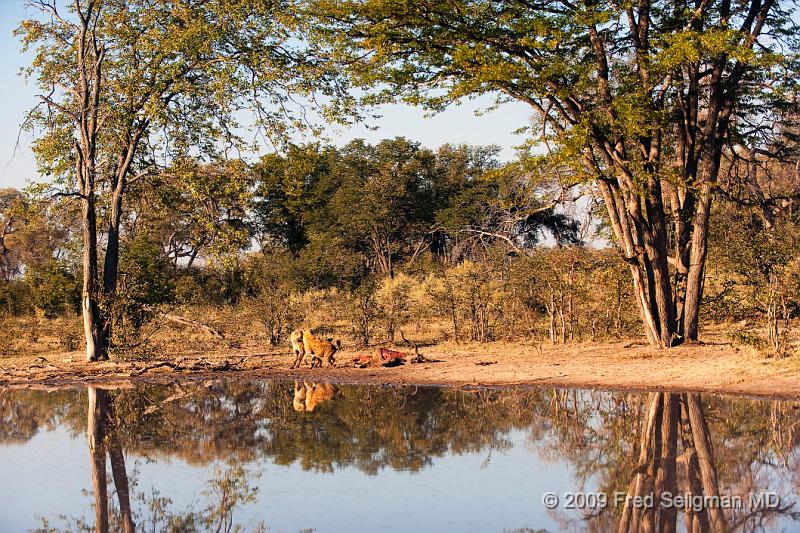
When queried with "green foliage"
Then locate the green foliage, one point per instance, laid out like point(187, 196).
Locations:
point(131, 88)
point(190, 288)
point(181, 72)
point(53, 288)
point(290, 191)
point(362, 311)
point(15, 299)
point(36, 256)
point(393, 298)
point(270, 283)
point(360, 209)
point(197, 210)
point(758, 272)
point(327, 262)
point(145, 283)
point(642, 99)
point(543, 54)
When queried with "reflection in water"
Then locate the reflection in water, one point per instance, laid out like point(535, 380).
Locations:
point(662, 476)
point(667, 416)
point(228, 489)
point(638, 446)
point(308, 395)
point(103, 435)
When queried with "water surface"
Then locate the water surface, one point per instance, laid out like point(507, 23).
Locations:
point(303, 456)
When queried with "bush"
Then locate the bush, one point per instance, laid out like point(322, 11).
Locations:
point(146, 284)
point(15, 298)
point(393, 297)
point(269, 285)
point(362, 311)
point(54, 289)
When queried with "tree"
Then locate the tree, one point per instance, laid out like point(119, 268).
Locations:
point(128, 86)
point(12, 216)
point(193, 209)
point(642, 97)
point(290, 189)
point(36, 267)
point(757, 245)
point(514, 204)
point(383, 208)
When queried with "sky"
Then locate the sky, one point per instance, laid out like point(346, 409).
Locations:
point(456, 125)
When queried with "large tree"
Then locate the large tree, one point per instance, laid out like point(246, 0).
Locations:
point(645, 97)
point(194, 210)
point(128, 86)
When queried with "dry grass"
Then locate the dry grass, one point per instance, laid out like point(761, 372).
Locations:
point(718, 365)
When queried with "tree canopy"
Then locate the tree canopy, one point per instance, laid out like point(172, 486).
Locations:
point(128, 88)
point(645, 98)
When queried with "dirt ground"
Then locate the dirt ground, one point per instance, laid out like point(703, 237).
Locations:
point(716, 367)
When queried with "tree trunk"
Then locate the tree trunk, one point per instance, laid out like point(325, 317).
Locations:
point(696, 519)
point(697, 264)
point(666, 475)
point(95, 432)
point(90, 55)
point(96, 347)
point(111, 262)
point(551, 310)
point(629, 235)
point(121, 482)
point(641, 483)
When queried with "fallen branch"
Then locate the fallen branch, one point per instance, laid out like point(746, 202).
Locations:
point(634, 343)
point(148, 368)
point(186, 322)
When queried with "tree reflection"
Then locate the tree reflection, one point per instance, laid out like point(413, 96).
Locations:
point(227, 490)
point(648, 450)
point(655, 476)
point(103, 436)
point(614, 442)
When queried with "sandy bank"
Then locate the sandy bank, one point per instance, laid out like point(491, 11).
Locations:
point(712, 367)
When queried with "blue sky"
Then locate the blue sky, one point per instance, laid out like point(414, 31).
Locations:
point(457, 125)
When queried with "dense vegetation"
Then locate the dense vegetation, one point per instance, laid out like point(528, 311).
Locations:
point(380, 236)
point(365, 240)
point(660, 172)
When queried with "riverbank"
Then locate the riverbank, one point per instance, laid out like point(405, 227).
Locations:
point(715, 367)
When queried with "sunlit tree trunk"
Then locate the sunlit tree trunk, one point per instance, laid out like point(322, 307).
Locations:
point(90, 56)
point(96, 348)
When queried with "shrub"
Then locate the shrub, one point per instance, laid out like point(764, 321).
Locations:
point(393, 297)
point(54, 289)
